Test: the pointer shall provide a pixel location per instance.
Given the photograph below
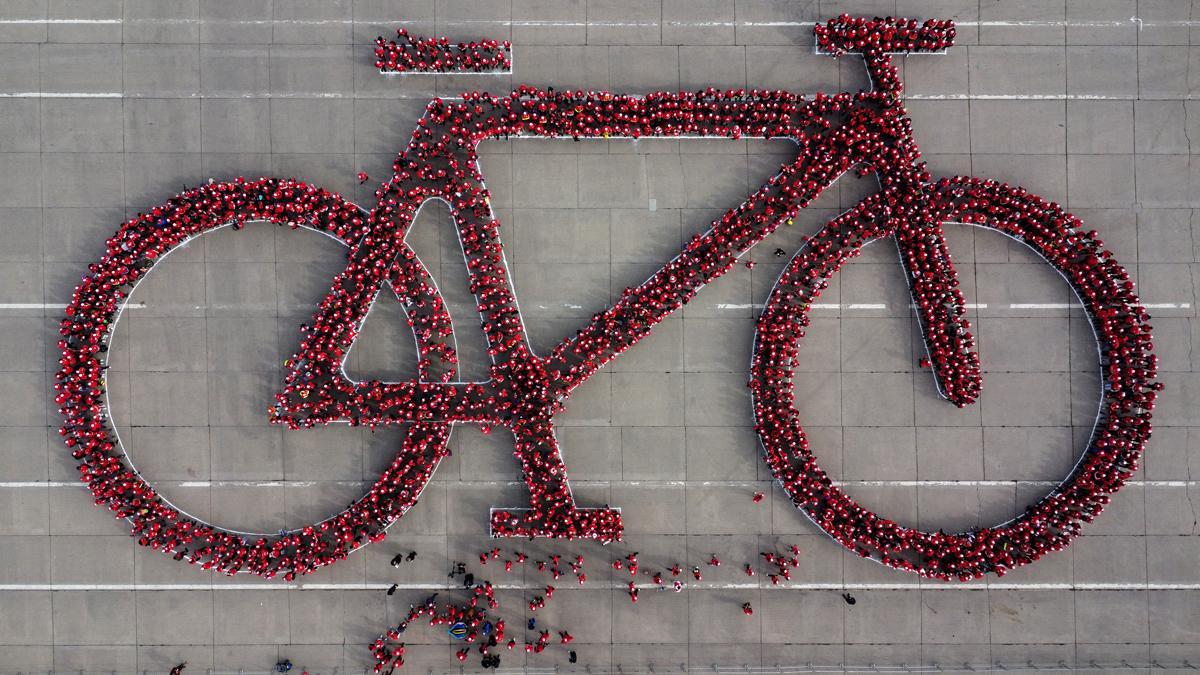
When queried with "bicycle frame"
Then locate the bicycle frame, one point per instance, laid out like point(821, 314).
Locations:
point(525, 391)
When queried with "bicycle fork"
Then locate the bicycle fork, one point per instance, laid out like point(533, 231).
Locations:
point(932, 281)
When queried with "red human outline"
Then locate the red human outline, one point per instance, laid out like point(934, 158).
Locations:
point(867, 132)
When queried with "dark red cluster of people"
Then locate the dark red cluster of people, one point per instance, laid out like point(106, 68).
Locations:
point(468, 621)
point(408, 54)
point(867, 132)
point(468, 618)
point(783, 563)
point(553, 566)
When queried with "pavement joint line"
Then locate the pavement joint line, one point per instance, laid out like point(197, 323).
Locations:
point(806, 586)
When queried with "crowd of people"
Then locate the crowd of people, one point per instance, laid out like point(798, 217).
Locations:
point(467, 620)
point(408, 54)
point(867, 131)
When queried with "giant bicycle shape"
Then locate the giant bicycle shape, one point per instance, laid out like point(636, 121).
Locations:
point(867, 132)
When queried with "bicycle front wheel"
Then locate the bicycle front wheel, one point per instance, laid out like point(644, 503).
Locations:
point(1122, 329)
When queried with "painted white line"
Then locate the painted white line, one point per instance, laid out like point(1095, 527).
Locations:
point(630, 483)
point(19, 22)
point(62, 94)
point(52, 305)
point(969, 305)
point(831, 586)
point(1071, 305)
point(194, 95)
point(272, 483)
point(998, 483)
point(425, 96)
point(814, 305)
point(1041, 305)
point(1018, 97)
point(1131, 21)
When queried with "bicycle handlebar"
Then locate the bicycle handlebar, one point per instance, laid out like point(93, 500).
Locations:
point(887, 35)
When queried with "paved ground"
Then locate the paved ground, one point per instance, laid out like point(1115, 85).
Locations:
point(108, 107)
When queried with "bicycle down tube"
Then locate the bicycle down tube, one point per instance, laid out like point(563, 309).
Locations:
point(833, 134)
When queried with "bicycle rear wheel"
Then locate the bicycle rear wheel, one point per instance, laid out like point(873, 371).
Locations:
point(81, 388)
point(1122, 329)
